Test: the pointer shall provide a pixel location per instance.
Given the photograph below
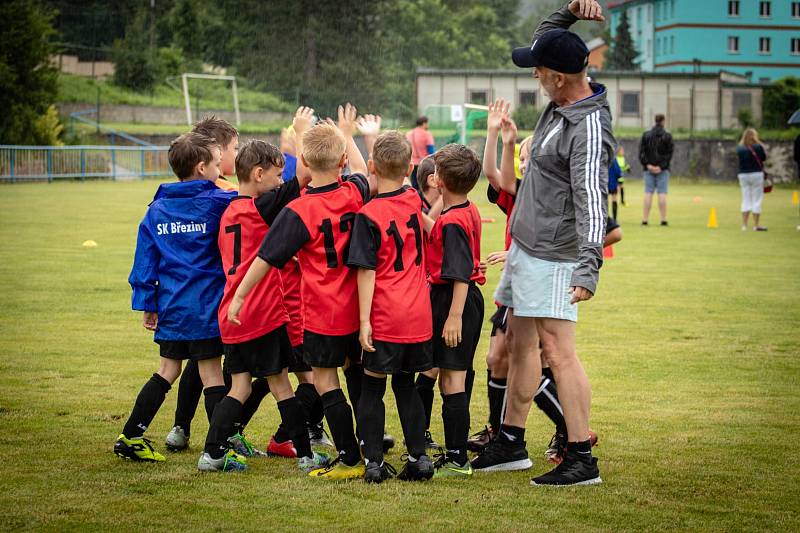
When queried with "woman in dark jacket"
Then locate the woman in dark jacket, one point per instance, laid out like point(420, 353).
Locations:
point(751, 177)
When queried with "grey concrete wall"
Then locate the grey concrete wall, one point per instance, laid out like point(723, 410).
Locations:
point(168, 115)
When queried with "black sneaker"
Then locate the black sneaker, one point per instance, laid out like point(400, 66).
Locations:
point(388, 442)
point(664, 223)
point(378, 473)
point(419, 470)
point(573, 471)
point(430, 444)
point(477, 442)
point(644, 222)
point(500, 456)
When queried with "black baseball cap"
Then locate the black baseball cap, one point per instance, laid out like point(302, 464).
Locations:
point(560, 50)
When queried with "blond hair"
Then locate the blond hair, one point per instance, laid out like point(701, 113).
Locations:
point(391, 155)
point(750, 137)
point(323, 147)
point(525, 144)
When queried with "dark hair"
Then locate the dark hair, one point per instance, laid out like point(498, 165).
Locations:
point(426, 168)
point(257, 153)
point(458, 167)
point(186, 151)
point(391, 155)
point(660, 118)
point(421, 120)
point(219, 129)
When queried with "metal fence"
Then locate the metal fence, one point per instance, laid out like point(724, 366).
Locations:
point(40, 163)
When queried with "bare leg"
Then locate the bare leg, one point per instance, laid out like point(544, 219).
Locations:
point(662, 206)
point(524, 369)
point(746, 217)
point(648, 203)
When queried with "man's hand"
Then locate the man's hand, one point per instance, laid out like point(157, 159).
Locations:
point(369, 125)
point(347, 119)
point(234, 308)
point(452, 331)
point(497, 110)
point(508, 130)
point(150, 320)
point(365, 336)
point(303, 119)
point(580, 294)
point(496, 257)
point(587, 10)
point(654, 169)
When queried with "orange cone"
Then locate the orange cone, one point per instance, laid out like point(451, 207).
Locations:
point(608, 252)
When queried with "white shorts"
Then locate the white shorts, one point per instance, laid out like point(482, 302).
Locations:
point(535, 287)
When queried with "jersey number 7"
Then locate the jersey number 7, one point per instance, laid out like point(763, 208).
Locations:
point(345, 225)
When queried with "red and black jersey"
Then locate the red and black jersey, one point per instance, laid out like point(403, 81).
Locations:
point(505, 201)
point(316, 228)
point(242, 229)
point(291, 279)
point(454, 247)
point(388, 237)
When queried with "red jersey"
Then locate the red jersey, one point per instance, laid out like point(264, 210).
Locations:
point(291, 279)
point(242, 229)
point(454, 249)
point(316, 228)
point(388, 238)
point(505, 202)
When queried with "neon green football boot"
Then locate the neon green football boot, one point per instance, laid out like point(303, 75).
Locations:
point(444, 468)
point(138, 449)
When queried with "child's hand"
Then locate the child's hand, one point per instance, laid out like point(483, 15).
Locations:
point(496, 257)
point(150, 320)
point(303, 119)
point(452, 331)
point(347, 119)
point(587, 10)
point(369, 125)
point(365, 336)
point(497, 110)
point(234, 308)
point(508, 130)
point(483, 266)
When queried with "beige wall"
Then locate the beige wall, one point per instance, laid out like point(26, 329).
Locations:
point(70, 65)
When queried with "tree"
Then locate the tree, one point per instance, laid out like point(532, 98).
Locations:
point(28, 80)
point(621, 55)
point(781, 99)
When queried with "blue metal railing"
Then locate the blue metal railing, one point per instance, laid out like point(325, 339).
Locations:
point(39, 163)
point(113, 134)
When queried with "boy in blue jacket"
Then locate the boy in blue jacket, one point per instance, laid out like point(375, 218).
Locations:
point(177, 281)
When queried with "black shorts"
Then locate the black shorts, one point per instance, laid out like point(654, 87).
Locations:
point(394, 357)
point(196, 350)
point(460, 357)
point(330, 351)
point(298, 365)
point(264, 356)
point(499, 319)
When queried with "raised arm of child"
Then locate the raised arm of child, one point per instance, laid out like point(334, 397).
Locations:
point(347, 125)
point(301, 123)
point(370, 128)
point(366, 289)
point(497, 110)
point(255, 273)
point(508, 176)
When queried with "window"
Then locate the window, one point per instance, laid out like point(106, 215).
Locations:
point(795, 46)
point(526, 98)
point(649, 47)
point(480, 97)
point(630, 103)
point(741, 100)
point(764, 45)
point(649, 13)
point(765, 9)
point(764, 81)
point(733, 8)
point(733, 45)
point(796, 10)
point(671, 44)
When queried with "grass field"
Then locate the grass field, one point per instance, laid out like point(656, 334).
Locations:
point(691, 345)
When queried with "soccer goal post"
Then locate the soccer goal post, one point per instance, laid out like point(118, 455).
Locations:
point(187, 100)
point(460, 118)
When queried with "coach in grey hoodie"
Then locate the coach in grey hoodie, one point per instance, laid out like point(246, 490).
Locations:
point(557, 227)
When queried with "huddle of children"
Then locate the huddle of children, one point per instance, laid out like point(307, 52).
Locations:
point(338, 266)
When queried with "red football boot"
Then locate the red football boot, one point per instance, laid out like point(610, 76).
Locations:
point(281, 449)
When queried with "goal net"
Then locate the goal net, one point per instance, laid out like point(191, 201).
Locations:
point(187, 98)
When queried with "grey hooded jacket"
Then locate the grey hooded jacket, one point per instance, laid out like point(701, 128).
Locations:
point(560, 211)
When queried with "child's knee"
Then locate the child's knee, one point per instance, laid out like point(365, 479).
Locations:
point(169, 369)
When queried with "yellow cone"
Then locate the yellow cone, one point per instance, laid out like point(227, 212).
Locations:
point(712, 218)
point(89, 244)
point(795, 198)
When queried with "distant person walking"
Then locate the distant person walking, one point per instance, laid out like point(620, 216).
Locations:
point(655, 154)
point(751, 177)
point(422, 145)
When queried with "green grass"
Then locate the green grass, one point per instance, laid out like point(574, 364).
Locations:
point(177, 129)
point(206, 94)
point(691, 346)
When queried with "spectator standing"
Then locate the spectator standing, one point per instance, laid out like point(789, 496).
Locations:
point(422, 145)
point(655, 154)
point(751, 177)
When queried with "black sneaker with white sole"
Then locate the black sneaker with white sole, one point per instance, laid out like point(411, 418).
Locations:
point(419, 470)
point(573, 471)
point(500, 456)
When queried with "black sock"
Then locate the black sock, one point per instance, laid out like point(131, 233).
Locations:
point(455, 416)
point(227, 379)
point(258, 391)
point(353, 376)
point(622, 195)
point(340, 422)
point(468, 384)
point(190, 388)
point(409, 408)
point(511, 434)
point(227, 414)
point(213, 395)
point(583, 449)
point(281, 434)
point(425, 386)
point(371, 415)
point(308, 397)
point(547, 401)
point(294, 421)
point(497, 396)
point(146, 406)
point(614, 208)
